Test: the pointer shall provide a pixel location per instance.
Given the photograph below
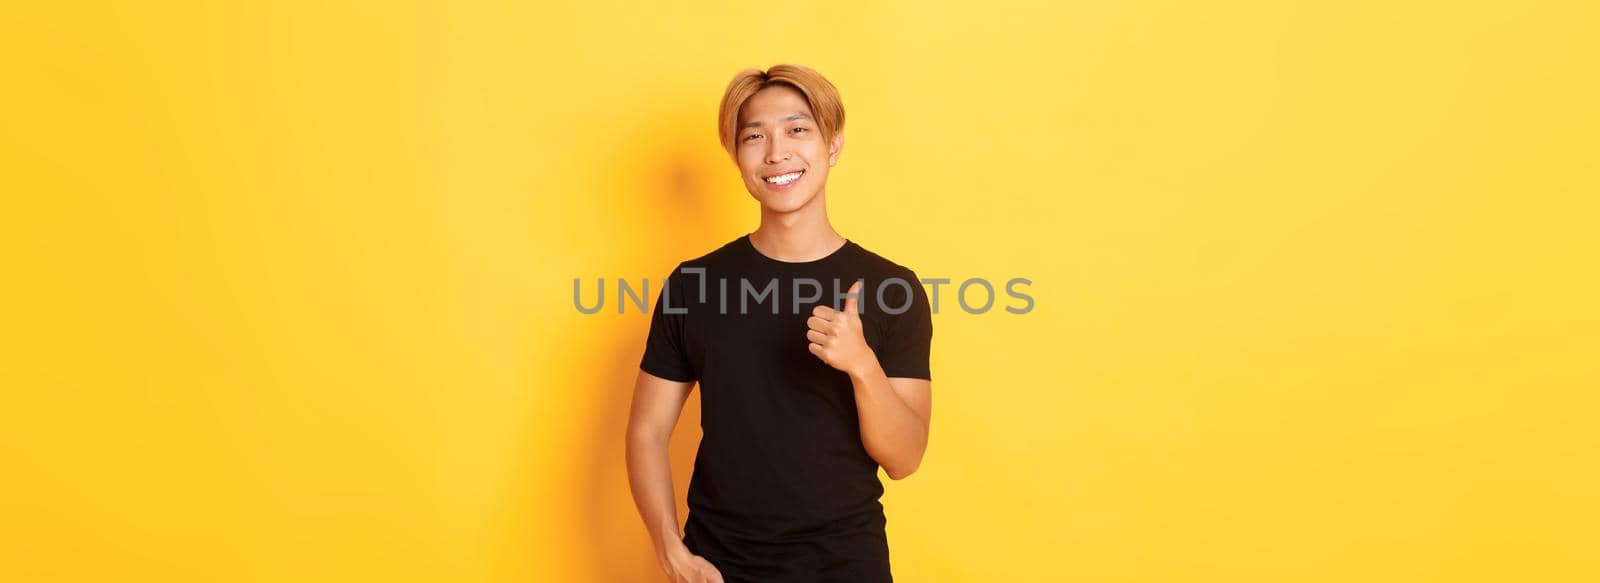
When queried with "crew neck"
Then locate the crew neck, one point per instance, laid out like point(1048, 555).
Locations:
point(748, 245)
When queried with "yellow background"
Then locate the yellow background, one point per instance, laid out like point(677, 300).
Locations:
point(287, 286)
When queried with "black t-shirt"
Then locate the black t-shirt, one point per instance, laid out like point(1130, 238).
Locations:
point(783, 489)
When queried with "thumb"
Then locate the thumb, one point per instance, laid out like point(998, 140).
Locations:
point(851, 295)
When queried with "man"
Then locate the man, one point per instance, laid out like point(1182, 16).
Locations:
point(802, 400)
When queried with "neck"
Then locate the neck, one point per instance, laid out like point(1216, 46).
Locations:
point(802, 235)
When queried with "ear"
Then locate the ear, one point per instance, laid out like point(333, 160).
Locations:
point(834, 148)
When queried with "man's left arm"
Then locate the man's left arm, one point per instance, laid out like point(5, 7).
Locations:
point(894, 416)
point(894, 412)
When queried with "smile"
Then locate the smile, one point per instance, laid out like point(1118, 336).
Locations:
point(783, 179)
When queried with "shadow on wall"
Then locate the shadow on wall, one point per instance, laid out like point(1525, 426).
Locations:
point(673, 201)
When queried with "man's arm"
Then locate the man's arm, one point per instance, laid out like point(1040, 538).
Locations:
point(894, 412)
point(657, 402)
point(894, 415)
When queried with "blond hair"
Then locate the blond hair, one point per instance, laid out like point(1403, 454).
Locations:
point(822, 96)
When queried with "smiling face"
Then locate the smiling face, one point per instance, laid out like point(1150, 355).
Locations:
point(782, 156)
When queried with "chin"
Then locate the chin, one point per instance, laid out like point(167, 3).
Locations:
point(785, 202)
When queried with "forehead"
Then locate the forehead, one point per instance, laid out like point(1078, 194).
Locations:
point(770, 103)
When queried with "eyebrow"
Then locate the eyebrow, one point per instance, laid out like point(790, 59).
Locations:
point(792, 117)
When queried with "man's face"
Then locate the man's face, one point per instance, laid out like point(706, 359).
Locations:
point(781, 155)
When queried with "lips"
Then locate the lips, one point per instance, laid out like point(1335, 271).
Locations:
point(785, 178)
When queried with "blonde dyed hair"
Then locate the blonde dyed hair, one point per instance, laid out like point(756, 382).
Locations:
point(820, 95)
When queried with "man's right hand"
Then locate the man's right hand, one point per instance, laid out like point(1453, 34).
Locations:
point(683, 566)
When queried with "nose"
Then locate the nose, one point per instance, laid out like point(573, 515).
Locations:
point(777, 152)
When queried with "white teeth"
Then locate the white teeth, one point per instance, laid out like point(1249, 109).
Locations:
point(785, 178)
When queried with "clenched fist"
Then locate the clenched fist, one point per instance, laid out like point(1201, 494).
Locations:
point(836, 336)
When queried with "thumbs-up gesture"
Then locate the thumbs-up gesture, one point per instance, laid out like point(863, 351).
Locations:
point(836, 336)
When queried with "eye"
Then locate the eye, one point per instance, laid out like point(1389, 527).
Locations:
point(798, 130)
point(751, 137)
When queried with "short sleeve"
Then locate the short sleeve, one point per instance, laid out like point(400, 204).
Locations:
point(664, 354)
point(908, 336)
